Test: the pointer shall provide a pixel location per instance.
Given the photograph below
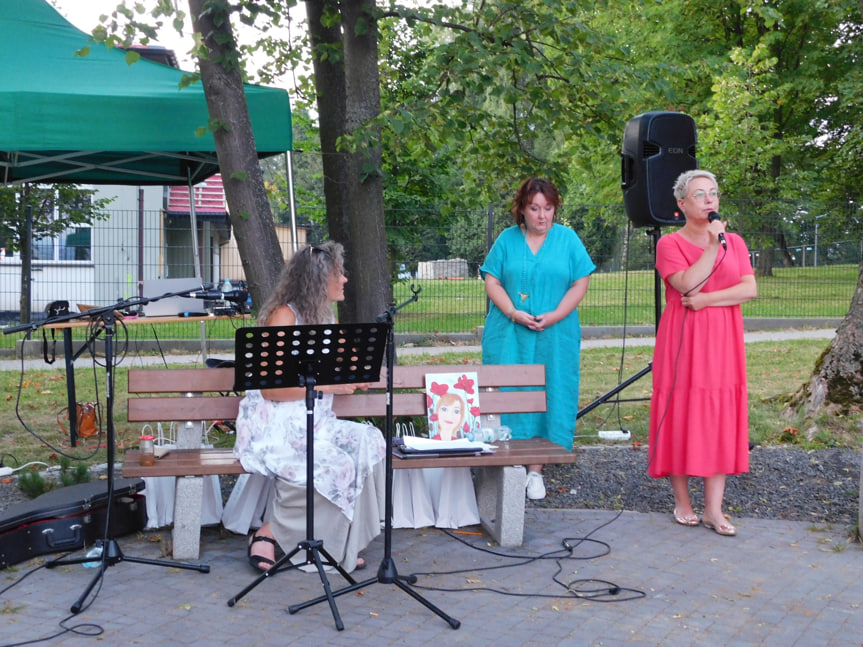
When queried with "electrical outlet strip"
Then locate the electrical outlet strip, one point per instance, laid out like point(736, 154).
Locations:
point(615, 434)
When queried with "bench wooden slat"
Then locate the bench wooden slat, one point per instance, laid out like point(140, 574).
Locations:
point(201, 462)
point(488, 375)
point(515, 452)
point(367, 405)
point(179, 380)
point(184, 462)
point(358, 405)
point(182, 409)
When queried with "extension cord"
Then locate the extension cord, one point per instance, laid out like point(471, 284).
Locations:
point(615, 434)
point(6, 471)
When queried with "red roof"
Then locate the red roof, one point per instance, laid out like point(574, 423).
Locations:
point(209, 198)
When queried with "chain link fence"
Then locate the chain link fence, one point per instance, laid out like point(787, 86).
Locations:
point(807, 257)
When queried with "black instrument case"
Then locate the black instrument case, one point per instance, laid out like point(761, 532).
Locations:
point(69, 518)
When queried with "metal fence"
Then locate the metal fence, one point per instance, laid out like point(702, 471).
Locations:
point(808, 257)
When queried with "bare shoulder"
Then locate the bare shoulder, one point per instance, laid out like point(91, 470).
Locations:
point(282, 316)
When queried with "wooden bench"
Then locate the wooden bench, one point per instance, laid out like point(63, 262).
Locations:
point(195, 395)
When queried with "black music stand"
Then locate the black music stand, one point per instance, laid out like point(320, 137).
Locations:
point(271, 357)
point(105, 319)
point(387, 573)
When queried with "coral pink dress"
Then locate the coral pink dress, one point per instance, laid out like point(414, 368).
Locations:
point(699, 422)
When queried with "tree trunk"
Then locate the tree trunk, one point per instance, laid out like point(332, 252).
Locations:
point(836, 385)
point(764, 265)
point(242, 177)
point(782, 244)
point(369, 290)
point(348, 90)
point(26, 301)
point(328, 64)
point(837, 381)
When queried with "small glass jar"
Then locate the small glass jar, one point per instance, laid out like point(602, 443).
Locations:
point(501, 434)
point(148, 450)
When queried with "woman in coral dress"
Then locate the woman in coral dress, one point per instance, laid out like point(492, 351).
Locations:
point(699, 424)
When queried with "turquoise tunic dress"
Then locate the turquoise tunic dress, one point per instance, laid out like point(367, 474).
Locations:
point(536, 283)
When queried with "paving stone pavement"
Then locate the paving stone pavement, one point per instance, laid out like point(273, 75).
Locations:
point(777, 583)
point(634, 579)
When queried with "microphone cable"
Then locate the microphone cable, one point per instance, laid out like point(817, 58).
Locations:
point(616, 401)
point(589, 589)
point(19, 416)
point(88, 629)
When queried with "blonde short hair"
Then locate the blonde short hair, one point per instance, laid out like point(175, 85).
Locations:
point(681, 185)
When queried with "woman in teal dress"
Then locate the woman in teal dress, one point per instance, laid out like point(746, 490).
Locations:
point(536, 274)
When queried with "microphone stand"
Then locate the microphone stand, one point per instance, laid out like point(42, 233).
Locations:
point(657, 313)
point(69, 355)
point(387, 572)
point(111, 553)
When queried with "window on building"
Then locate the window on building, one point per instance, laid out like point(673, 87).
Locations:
point(72, 244)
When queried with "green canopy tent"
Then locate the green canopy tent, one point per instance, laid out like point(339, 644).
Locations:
point(99, 120)
point(96, 119)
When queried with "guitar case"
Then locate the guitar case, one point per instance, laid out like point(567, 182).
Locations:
point(69, 518)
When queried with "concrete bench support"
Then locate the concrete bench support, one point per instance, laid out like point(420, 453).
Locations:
point(500, 500)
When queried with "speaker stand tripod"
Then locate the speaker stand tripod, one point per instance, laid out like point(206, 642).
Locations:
point(387, 573)
point(104, 319)
point(655, 233)
point(283, 356)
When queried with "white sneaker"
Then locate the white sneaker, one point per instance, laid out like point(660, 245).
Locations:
point(534, 486)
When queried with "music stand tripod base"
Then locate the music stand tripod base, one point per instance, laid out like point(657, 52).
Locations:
point(270, 357)
point(111, 553)
point(387, 573)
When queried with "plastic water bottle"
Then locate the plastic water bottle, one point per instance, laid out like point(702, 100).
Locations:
point(94, 555)
point(491, 434)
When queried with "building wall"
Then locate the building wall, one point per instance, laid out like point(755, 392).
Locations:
point(230, 255)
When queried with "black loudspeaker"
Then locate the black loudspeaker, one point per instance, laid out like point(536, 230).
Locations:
point(657, 148)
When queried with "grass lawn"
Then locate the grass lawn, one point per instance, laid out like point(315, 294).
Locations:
point(614, 299)
point(775, 370)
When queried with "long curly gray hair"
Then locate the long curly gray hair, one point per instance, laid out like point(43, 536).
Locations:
point(304, 284)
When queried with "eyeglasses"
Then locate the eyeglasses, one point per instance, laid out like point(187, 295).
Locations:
point(701, 196)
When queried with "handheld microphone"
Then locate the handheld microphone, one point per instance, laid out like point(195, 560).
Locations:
point(212, 295)
point(715, 216)
point(237, 296)
point(207, 292)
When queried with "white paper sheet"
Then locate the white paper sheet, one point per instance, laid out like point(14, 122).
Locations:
point(418, 443)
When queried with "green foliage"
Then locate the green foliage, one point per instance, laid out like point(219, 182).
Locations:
point(54, 209)
point(493, 85)
point(33, 484)
point(466, 238)
point(73, 477)
point(475, 96)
